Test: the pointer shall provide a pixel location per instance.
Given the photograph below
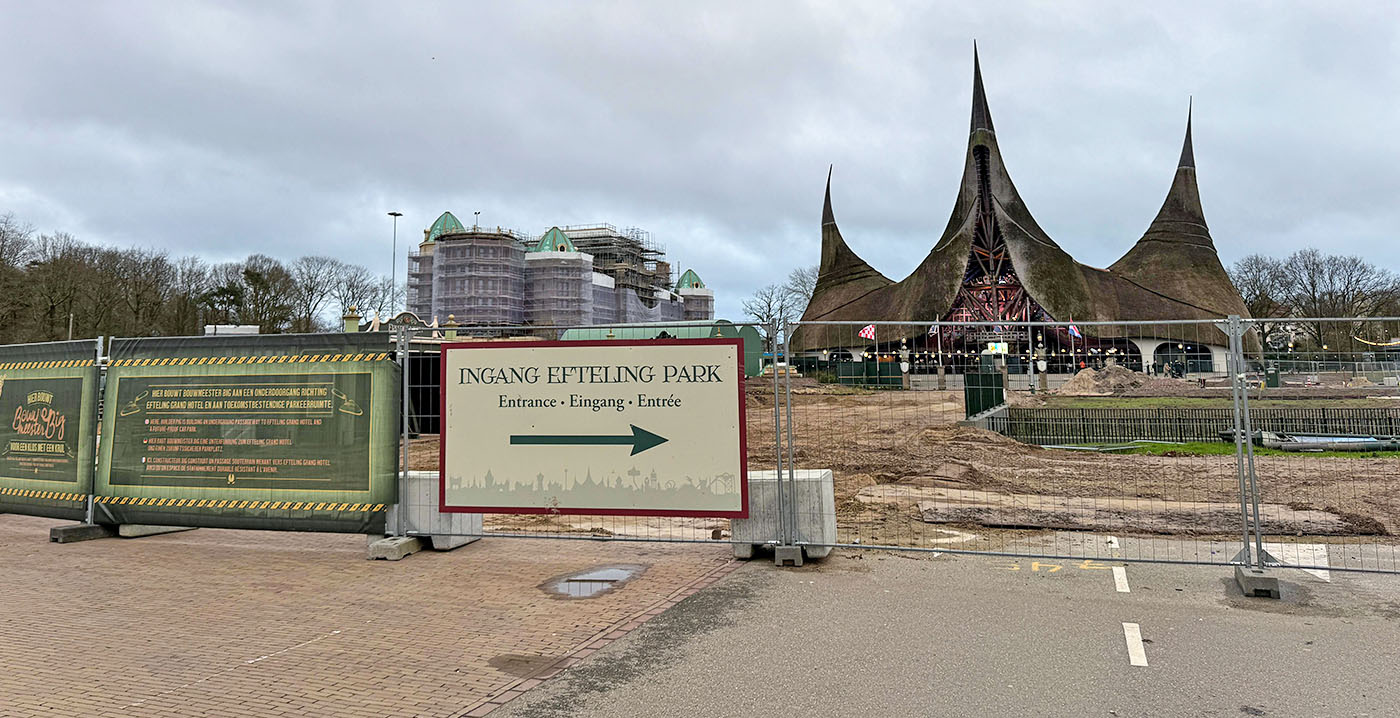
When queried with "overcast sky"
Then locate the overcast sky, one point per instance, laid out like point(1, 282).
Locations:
point(292, 128)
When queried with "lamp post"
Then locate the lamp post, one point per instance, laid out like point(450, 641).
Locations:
point(394, 263)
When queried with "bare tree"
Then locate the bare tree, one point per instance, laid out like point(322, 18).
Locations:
point(312, 281)
point(55, 277)
point(771, 307)
point(268, 289)
point(189, 284)
point(144, 280)
point(801, 283)
point(16, 240)
point(1263, 283)
point(1335, 286)
point(354, 287)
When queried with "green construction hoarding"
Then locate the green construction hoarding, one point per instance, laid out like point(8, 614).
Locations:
point(48, 398)
point(296, 432)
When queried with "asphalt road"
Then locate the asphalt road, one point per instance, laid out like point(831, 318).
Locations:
point(877, 634)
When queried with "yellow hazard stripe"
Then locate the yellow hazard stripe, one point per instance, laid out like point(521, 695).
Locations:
point(182, 361)
point(153, 501)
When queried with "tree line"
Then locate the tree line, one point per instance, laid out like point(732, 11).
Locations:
point(49, 282)
point(1309, 284)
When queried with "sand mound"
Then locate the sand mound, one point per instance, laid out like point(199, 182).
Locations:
point(1101, 382)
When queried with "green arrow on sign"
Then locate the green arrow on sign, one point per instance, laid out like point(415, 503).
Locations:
point(641, 440)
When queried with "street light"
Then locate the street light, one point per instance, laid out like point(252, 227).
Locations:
point(476, 220)
point(394, 263)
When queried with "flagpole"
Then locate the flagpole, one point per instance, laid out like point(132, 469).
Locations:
point(1073, 365)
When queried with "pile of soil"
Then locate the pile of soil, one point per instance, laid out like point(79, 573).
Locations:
point(1117, 380)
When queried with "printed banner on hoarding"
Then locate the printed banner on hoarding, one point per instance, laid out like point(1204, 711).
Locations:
point(652, 428)
point(48, 396)
point(290, 432)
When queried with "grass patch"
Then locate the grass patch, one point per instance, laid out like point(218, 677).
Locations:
point(1186, 402)
point(1221, 448)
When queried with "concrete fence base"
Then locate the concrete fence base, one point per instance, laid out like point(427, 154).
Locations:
point(814, 513)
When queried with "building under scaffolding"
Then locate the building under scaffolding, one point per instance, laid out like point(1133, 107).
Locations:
point(578, 275)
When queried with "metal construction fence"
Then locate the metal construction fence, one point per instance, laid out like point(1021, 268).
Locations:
point(1205, 442)
point(1172, 441)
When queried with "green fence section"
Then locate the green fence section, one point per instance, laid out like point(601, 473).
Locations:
point(48, 397)
point(982, 391)
point(870, 374)
point(296, 432)
point(1091, 426)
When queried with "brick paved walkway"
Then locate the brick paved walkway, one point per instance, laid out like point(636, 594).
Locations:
point(241, 623)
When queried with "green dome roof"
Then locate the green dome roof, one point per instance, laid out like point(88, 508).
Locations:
point(690, 280)
point(446, 224)
point(554, 241)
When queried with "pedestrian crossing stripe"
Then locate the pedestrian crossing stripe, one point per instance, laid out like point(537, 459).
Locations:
point(181, 361)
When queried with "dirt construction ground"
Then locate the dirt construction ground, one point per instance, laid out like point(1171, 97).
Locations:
point(906, 473)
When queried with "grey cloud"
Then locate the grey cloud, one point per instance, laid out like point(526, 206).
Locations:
point(292, 128)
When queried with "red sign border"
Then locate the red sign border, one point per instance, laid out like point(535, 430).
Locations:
point(737, 343)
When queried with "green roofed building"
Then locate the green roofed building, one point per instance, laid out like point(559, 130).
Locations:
point(753, 342)
point(570, 276)
point(554, 241)
point(690, 280)
point(699, 299)
point(445, 224)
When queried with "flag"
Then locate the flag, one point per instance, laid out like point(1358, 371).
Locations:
point(1074, 332)
point(868, 332)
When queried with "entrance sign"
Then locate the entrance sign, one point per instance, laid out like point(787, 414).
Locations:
point(647, 428)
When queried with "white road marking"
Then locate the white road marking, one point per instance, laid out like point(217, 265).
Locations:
point(1120, 579)
point(1302, 554)
point(1132, 633)
point(1113, 542)
point(250, 661)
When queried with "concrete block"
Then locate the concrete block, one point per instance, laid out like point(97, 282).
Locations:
point(393, 548)
point(139, 530)
point(1256, 583)
point(784, 555)
point(72, 533)
point(421, 517)
point(814, 512)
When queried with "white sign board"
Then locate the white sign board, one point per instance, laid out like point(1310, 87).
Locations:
point(650, 427)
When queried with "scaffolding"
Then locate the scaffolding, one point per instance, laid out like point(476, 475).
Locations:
point(480, 278)
point(558, 289)
point(631, 257)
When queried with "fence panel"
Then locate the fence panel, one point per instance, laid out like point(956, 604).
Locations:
point(1328, 478)
point(48, 396)
point(292, 432)
point(420, 500)
point(917, 468)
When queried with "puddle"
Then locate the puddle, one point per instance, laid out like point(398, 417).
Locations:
point(587, 584)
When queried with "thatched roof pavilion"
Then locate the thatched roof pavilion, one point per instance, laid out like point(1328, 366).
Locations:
point(995, 263)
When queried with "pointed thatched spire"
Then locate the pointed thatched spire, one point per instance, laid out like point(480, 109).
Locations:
point(981, 114)
point(1188, 156)
point(1181, 218)
point(1176, 256)
point(842, 276)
